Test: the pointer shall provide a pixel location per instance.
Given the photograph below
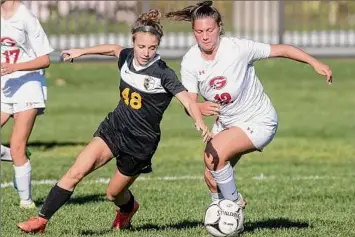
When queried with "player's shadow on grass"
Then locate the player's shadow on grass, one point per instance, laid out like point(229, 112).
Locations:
point(95, 232)
point(186, 224)
point(80, 200)
point(51, 144)
point(150, 227)
point(276, 223)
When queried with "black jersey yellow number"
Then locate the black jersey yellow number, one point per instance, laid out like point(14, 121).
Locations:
point(134, 99)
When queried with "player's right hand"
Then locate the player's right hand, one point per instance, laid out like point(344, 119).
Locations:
point(70, 54)
point(209, 108)
point(324, 70)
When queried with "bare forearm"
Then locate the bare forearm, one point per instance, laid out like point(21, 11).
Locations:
point(198, 106)
point(194, 111)
point(291, 52)
point(288, 51)
point(35, 64)
point(104, 49)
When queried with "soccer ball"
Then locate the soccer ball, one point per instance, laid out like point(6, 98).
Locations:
point(224, 218)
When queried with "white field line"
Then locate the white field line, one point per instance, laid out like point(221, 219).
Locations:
point(174, 178)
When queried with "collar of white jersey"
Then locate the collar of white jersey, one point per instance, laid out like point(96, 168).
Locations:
point(153, 60)
point(220, 49)
point(16, 14)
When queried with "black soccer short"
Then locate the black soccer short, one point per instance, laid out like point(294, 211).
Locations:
point(132, 166)
point(127, 164)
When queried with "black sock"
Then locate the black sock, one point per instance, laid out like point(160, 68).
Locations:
point(56, 198)
point(128, 207)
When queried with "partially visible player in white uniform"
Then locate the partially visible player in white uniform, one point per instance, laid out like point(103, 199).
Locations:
point(221, 70)
point(24, 55)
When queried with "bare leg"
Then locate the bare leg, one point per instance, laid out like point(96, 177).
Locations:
point(225, 147)
point(95, 155)
point(23, 124)
point(117, 190)
point(21, 131)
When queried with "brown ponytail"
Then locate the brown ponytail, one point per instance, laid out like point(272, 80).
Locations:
point(198, 11)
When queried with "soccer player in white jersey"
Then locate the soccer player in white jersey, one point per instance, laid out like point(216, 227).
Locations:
point(221, 70)
point(24, 55)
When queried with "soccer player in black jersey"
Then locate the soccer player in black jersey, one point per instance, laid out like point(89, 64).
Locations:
point(131, 132)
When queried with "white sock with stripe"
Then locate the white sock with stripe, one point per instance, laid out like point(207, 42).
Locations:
point(226, 183)
point(23, 181)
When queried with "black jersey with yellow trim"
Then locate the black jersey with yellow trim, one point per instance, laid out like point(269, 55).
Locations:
point(145, 95)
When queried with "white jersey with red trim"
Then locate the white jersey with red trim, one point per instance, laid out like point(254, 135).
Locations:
point(230, 79)
point(23, 39)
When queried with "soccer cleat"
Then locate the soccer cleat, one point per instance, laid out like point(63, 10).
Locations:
point(33, 225)
point(123, 220)
point(240, 201)
point(26, 205)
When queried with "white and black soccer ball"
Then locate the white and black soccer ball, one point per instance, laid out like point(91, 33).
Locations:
point(224, 218)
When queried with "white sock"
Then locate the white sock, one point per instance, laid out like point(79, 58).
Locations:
point(226, 183)
point(216, 196)
point(5, 153)
point(23, 181)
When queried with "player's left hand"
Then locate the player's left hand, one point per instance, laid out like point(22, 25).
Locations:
point(71, 54)
point(324, 70)
point(7, 68)
point(205, 132)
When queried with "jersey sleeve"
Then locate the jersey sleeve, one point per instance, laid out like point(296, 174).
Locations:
point(254, 51)
point(123, 56)
point(37, 37)
point(171, 83)
point(188, 77)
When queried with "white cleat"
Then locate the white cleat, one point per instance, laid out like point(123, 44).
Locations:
point(241, 203)
point(27, 205)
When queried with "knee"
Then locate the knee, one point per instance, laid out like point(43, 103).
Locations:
point(213, 161)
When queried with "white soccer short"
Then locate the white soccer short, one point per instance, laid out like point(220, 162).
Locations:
point(260, 131)
point(29, 91)
point(13, 108)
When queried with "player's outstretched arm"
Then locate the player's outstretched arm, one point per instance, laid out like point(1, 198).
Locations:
point(291, 52)
point(195, 113)
point(40, 62)
point(103, 49)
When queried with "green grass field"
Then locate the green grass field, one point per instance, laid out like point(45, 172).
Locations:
point(301, 185)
